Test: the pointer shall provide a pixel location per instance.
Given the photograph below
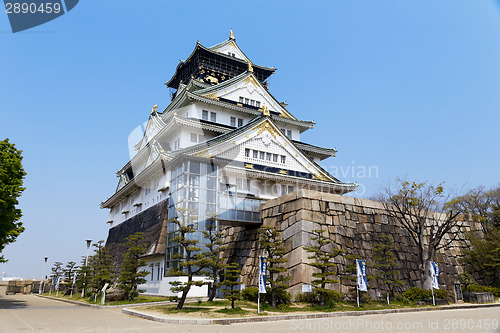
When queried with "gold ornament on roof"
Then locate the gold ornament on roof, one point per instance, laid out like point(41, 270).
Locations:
point(154, 109)
point(231, 35)
point(250, 68)
point(265, 110)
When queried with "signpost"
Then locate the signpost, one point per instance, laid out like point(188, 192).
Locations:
point(262, 279)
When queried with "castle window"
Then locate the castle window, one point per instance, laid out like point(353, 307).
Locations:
point(268, 156)
point(233, 121)
point(213, 117)
point(257, 104)
point(275, 157)
point(242, 99)
point(289, 134)
point(262, 155)
point(247, 100)
point(204, 114)
point(255, 154)
point(247, 152)
point(194, 137)
point(283, 159)
point(240, 122)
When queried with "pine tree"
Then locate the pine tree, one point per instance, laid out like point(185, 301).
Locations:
point(130, 275)
point(68, 273)
point(212, 260)
point(101, 268)
point(323, 254)
point(270, 241)
point(231, 276)
point(83, 276)
point(385, 262)
point(190, 257)
point(56, 272)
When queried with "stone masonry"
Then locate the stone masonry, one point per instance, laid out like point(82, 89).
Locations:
point(354, 226)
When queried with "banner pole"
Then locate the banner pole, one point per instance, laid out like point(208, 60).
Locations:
point(258, 302)
point(357, 295)
point(433, 300)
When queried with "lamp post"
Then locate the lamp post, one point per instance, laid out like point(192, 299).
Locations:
point(86, 261)
point(43, 276)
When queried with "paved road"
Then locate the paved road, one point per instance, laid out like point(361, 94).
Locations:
point(27, 313)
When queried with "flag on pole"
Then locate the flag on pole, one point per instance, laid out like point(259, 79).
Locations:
point(262, 275)
point(361, 274)
point(57, 282)
point(435, 275)
point(74, 279)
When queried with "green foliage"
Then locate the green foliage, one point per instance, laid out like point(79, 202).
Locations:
point(11, 187)
point(474, 288)
point(212, 260)
point(57, 270)
point(330, 297)
point(418, 294)
point(101, 268)
point(250, 294)
point(323, 255)
point(270, 241)
point(482, 258)
point(130, 275)
point(283, 297)
point(231, 276)
point(190, 258)
point(385, 262)
point(84, 274)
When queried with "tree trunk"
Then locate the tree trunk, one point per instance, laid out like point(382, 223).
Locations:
point(212, 293)
point(182, 300)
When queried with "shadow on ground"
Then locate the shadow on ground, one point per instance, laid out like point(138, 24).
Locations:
point(11, 303)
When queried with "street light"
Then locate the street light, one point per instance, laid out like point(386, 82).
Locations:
point(43, 277)
point(86, 261)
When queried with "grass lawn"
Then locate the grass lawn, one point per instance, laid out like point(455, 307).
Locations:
point(90, 300)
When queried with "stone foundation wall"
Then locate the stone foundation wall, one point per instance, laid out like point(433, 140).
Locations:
point(149, 222)
point(353, 224)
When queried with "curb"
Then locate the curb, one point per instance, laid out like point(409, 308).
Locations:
point(295, 317)
point(104, 306)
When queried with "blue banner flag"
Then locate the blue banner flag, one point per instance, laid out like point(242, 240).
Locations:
point(361, 274)
point(262, 275)
point(435, 275)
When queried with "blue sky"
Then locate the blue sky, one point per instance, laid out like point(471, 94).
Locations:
point(408, 88)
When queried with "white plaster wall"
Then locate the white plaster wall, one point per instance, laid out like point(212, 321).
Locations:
point(163, 287)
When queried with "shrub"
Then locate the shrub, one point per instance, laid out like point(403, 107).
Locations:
point(282, 296)
point(250, 294)
point(474, 288)
point(331, 296)
point(418, 294)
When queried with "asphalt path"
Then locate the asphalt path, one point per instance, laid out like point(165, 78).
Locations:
point(28, 313)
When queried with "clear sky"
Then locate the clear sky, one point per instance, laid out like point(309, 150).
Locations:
point(400, 88)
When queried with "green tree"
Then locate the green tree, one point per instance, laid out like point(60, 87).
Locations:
point(271, 242)
point(323, 255)
point(131, 275)
point(385, 262)
point(427, 214)
point(68, 273)
point(231, 276)
point(212, 260)
point(482, 258)
point(101, 268)
point(190, 257)
point(11, 187)
point(83, 277)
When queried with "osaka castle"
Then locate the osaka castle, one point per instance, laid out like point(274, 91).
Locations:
point(222, 147)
